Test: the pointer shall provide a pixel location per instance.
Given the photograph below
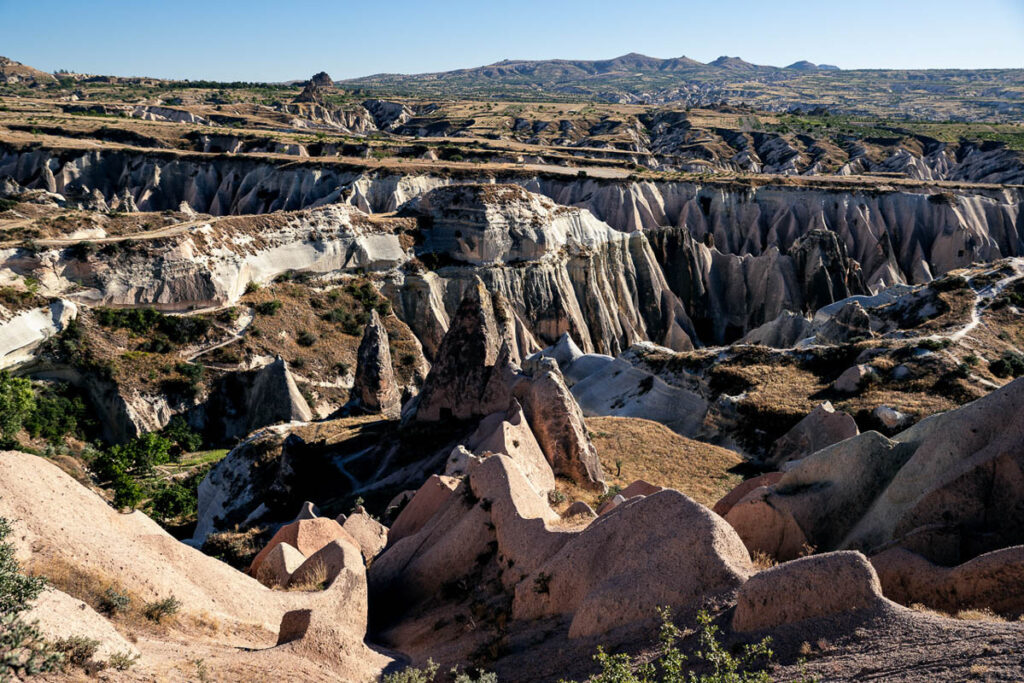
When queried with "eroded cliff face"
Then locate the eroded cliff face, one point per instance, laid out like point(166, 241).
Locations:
point(910, 234)
point(610, 262)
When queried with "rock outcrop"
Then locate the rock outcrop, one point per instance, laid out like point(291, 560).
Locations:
point(988, 582)
point(808, 588)
point(57, 615)
point(375, 388)
point(944, 488)
point(654, 564)
point(557, 571)
point(822, 427)
point(133, 552)
point(245, 401)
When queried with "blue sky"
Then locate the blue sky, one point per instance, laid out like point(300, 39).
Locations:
point(282, 40)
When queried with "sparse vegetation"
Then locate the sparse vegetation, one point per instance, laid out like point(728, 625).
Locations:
point(714, 662)
point(23, 651)
point(158, 610)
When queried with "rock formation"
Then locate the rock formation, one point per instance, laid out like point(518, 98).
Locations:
point(375, 388)
point(811, 587)
point(822, 427)
point(918, 490)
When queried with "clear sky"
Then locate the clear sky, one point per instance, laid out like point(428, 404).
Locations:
point(274, 40)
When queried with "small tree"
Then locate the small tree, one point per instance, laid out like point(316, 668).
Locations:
point(17, 401)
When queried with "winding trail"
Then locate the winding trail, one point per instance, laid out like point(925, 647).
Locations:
point(247, 319)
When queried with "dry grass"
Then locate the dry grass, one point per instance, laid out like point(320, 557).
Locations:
point(312, 579)
point(984, 614)
point(650, 451)
point(92, 588)
point(763, 560)
point(974, 614)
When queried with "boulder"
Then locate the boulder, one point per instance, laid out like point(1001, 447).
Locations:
point(610, 504)
point(375, 388)
point(990, 581)
point(662, 549)
point(306, 535)
point(326, 564)
point(741, 491)
point(61, 616)
point(848, 323)
point(640, 488)
point(807, 588)
point(371, 535)
point(783, 332)
point(461, 459)
point(421, 507)
point(853, 378)
point(822, 427)
point(331, 629)
point(279, 565)
point(579, 509)
point(890, 417)
point(766, 528)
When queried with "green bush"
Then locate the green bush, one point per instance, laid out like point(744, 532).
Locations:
point(305, 338)
point(1010, 364)
point(122, 661)
point(171, 501)
point(77, 650)
point(178, 431)
point(16, 589)
point(670, 664)
point(160, 609)
point(413, 675)
point(178, 329)
point(59, 411)
point(114, 602)
point(17, 401)
point(269, 307)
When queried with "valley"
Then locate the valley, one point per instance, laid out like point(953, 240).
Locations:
point(490, 369)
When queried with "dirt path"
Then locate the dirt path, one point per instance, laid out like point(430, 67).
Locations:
point(166, 231)
point(246, 320)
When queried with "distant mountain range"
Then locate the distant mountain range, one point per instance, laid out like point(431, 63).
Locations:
point(988, 94)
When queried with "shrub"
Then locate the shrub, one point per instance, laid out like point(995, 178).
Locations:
point(77, 650)
point(413, 675)
point(114, 602)
point(934, 344)
point(670, 663)
point(17, 401)
point(58, 412)
point(178, 431)
point(23, 650)
point(16, 589)
point(269, 307)
point(122, 661)
point(1010, 364)
point(171, 501)
point(306, 338)
point(160, 609)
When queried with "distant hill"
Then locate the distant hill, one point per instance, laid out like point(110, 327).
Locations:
point(16, 72)
point(941, 94)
